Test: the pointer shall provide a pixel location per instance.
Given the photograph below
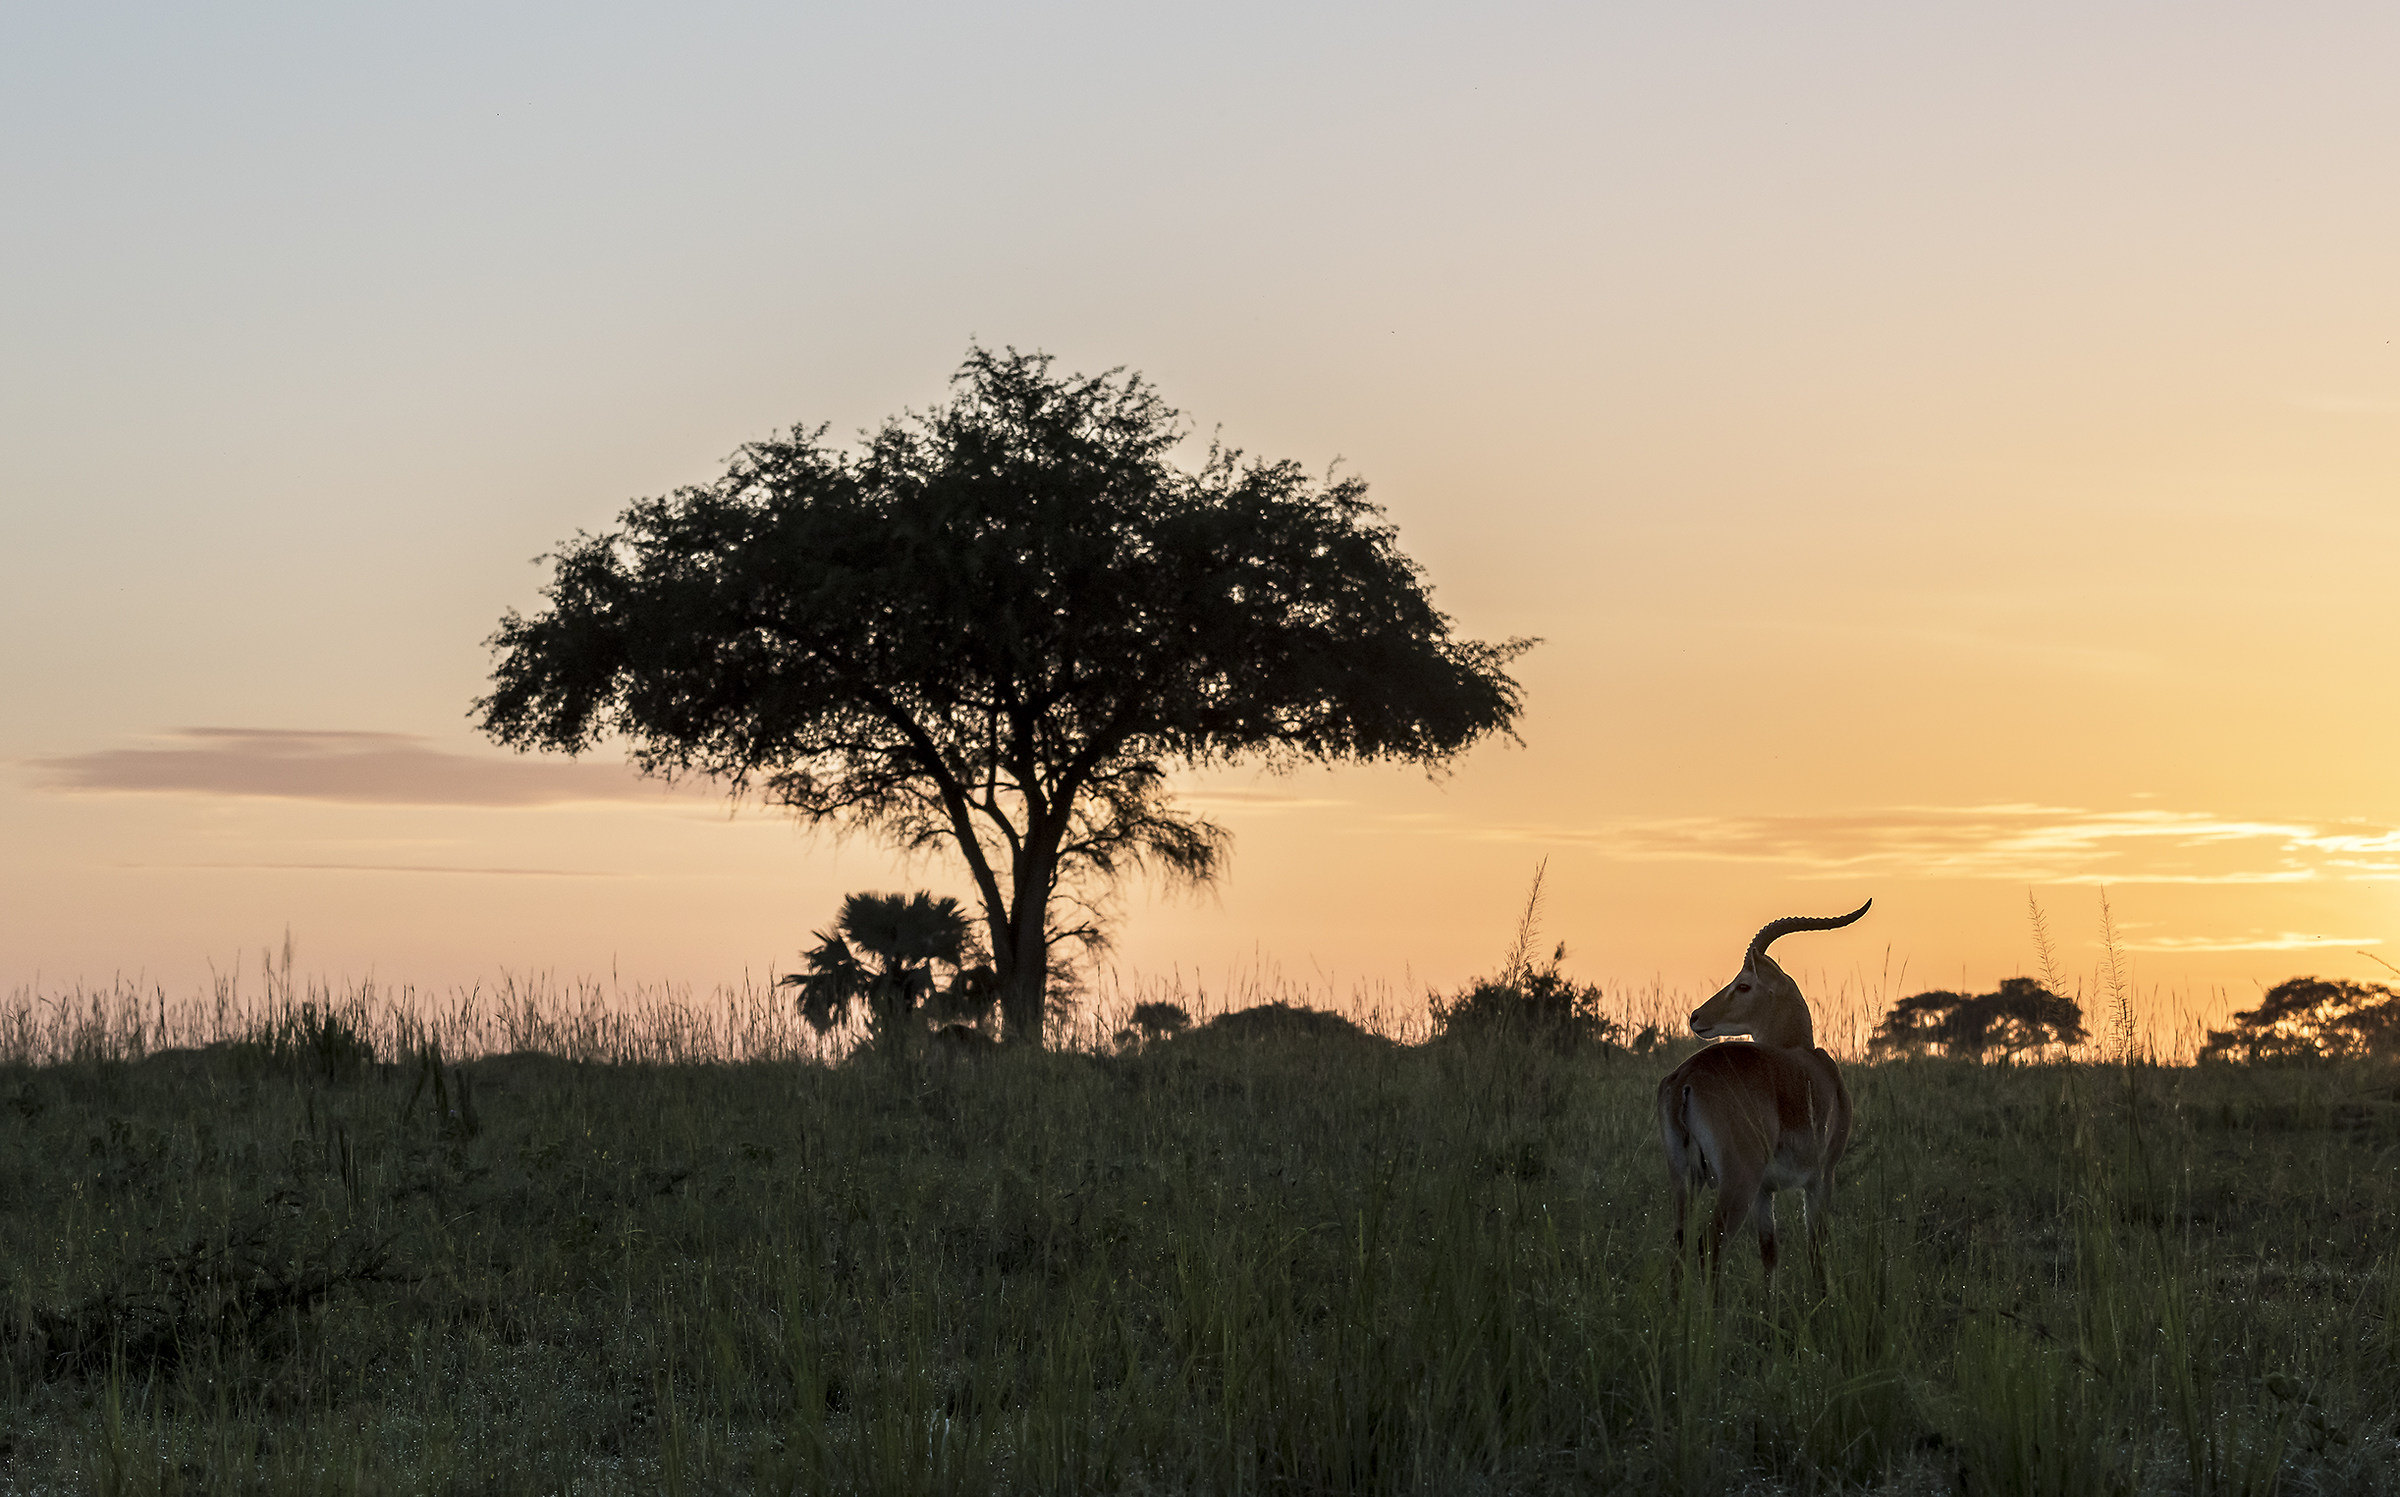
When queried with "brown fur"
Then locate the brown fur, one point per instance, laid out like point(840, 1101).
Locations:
point(1753, 1119)
point(1758, 1117)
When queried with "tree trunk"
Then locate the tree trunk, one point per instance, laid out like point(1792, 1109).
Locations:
point(1025, 967)
point(1022, 1000)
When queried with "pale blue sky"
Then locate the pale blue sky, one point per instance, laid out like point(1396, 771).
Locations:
point(1875, 407)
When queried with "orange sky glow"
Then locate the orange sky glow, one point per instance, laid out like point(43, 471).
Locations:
point(1946, 458)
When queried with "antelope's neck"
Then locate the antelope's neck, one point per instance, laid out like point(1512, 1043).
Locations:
point(1793, 1029)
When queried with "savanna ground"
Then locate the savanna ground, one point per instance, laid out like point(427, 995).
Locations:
point(1297, 1259)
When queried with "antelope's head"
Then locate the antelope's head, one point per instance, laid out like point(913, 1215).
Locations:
point(1762, 1001)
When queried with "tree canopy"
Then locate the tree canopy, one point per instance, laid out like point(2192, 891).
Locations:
point(2312, 1018)
point(997, 627)
point(2022, 1017)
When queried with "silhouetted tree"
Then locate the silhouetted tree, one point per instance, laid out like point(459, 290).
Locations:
point(997, 628)
point(2311, 1018)
point(2022, 1017)
point(903, 938)
point(1914, 1025)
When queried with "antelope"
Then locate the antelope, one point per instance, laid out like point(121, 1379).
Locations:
point(1761, 1117)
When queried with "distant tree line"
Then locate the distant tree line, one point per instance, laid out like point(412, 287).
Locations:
point(2301, 1019)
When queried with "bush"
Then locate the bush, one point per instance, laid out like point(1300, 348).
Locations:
point(1283, 1021)
point(1540, 1004)
point(1159, 1020)
point(1152, 1022)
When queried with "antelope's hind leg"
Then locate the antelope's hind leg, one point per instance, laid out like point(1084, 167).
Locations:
point(1741, 1192)
point(1683, 1163)
point(1820, 1221)
point(1762, 1219)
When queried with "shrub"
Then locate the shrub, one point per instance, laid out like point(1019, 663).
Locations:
point(1153, 1021)
point(1282, 1021)
point(1159, 1020)
point(1541, 1004)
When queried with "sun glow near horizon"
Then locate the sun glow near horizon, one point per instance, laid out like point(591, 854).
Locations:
point(1659, 905)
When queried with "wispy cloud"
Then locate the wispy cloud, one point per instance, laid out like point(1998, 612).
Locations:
point(397, 769)
point(2018, 842)
point(371, 868)
point(2285, 941)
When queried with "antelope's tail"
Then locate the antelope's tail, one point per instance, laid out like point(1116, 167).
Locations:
point(1684, 1160)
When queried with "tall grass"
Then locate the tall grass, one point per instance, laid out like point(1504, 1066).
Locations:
point(579, 1019)
point(588, 1019)
point(678, 1244)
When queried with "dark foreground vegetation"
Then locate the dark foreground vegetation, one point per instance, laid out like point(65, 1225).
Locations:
point(1266, 1256)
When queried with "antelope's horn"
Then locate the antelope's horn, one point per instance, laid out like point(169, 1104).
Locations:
point(1790, 923)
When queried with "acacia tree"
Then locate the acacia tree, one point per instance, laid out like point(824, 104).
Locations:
point(2312, 1018)
point(997, 628)
point(2022, 1017)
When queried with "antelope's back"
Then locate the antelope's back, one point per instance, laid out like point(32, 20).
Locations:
point(1778, 1092)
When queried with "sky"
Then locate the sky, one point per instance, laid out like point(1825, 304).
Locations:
point(1949, 454)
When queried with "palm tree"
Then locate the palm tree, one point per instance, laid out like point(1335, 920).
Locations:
point(883, 952)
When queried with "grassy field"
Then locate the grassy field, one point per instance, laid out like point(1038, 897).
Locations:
point(1291, 1261)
